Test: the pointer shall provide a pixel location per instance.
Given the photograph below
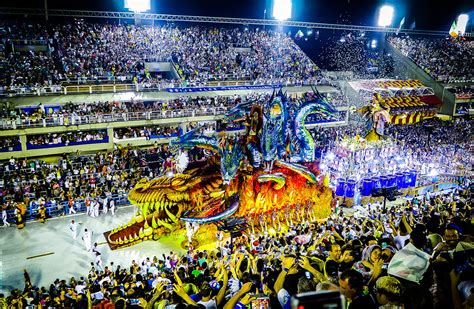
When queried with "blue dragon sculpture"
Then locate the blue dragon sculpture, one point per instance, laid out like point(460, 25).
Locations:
point(224, 184)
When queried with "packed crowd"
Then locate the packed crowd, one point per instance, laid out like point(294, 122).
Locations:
point(66, 138)
point(79, 50)
point(352, 53)
point(415, 255)
point(9, 142)
point(146, 132)
point(445, 144)
point(136, 109)
point(36, 182)
point(436, 149)
point(462, 92)
point(444, 59)
point(464, 109)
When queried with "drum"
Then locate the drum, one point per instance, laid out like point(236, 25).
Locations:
point(350, 188)
point(413, 174)
point(367, 186)
point(376, 184)
point(406, 180)
point(392, 181)
point(340, 187)
point(400, 180)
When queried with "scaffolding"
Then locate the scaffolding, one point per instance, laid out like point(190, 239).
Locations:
point(213, 20)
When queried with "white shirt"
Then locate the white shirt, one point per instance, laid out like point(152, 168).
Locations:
point(210, 304)
point(400, 240)
point(80, 289)
point(73, 227)
point(86, 236)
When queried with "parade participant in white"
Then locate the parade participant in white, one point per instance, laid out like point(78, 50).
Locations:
point(73, 228)
point(112, 207)
point(87, 238)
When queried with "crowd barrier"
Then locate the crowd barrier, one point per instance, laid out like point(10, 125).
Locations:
point(124, 84)
point(62, 208)
point(50, 121)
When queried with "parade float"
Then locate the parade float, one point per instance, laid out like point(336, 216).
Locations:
point(267, 176)
point(361, 165)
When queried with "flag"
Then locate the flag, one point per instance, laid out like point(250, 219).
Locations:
point(299, 34)
point(402, 22)
point(453, 31)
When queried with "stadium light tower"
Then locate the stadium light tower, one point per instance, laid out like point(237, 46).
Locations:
point(385, 15)
point(138, 6)
point(282, 9)
point(462, 23)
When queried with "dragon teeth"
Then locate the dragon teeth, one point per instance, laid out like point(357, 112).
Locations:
point(154, 224)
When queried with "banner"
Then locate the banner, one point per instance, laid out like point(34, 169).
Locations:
point(372, 84)
point(222, 88)
point(453, 31)
point(402, 22)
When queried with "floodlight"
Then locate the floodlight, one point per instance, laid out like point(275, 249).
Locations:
point(385, 16)
point(138, 6)
point(462, 23)
point(282, 9)
point(309, 32)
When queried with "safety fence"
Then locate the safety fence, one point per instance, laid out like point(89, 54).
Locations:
point(55, 208)
point(74, 120)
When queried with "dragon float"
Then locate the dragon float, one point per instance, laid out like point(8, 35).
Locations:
point(266, 175)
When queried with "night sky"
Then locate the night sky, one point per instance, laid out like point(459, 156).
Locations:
point(428, 14)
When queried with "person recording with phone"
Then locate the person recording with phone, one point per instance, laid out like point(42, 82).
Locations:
point(292, 268)
point(371, 264)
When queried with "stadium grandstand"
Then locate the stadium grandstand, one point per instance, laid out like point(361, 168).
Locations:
point(157, 154)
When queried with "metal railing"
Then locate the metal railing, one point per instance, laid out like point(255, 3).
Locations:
point(55, 209)
point(106, 85)
point(70, 120)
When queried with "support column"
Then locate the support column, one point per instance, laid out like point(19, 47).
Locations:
point(46, 17)
point(110, 134)
point(24, 150)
